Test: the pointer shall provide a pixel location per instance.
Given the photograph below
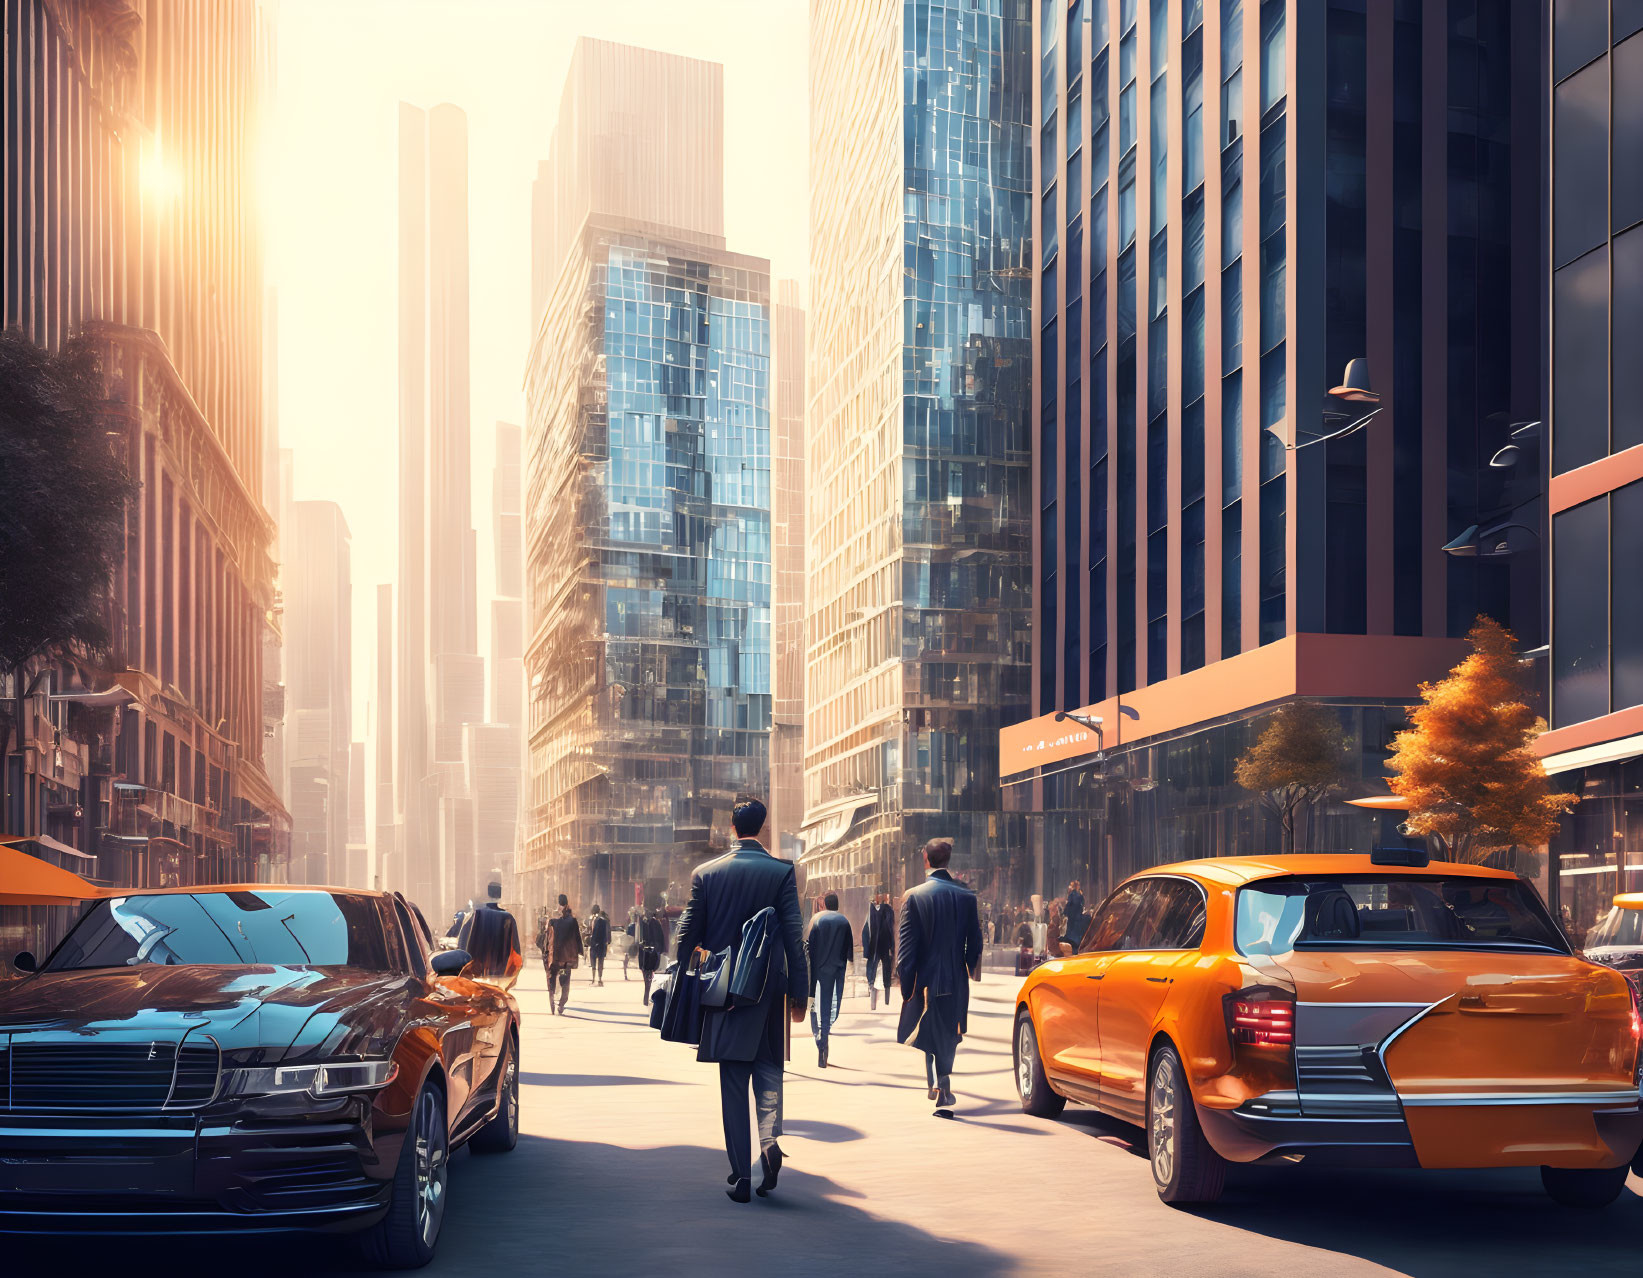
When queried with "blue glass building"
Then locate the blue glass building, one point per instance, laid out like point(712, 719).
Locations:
point(649, 555)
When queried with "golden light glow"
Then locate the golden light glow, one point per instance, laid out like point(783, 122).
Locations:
point(158, 178)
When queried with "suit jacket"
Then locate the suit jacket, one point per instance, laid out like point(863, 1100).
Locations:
point(878, 937)
point(940, 946)
point(598, 935)
point(831, 945)
point(565, 940)
point(724, 894)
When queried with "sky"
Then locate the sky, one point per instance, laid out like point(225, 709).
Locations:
point(343, 66)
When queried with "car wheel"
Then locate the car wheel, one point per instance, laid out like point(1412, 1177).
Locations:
point(1036, 1097)
point(405, 1238)
point(501, 1133)
point(1584, 1186)
point(1185, 1168)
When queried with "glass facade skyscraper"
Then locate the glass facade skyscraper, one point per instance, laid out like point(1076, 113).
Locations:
point(918, 459)
point(648, 508)
point(1235, 198)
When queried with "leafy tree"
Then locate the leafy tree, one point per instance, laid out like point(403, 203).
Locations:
point(1464, 763)
point(63, 495)
point(1298, 759)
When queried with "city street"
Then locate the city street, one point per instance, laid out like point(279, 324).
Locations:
point(620, 1168)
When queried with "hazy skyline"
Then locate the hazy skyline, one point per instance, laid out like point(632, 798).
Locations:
point(343, 68)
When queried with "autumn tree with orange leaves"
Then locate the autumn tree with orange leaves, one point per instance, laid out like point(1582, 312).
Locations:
point(1464, 763)
point(1299, 759)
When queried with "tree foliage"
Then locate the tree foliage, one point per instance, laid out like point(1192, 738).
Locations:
point(1299, 758)
point(1464, 763)
point(63, 495)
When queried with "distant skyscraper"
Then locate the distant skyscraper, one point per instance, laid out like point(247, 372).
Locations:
point(788, 581)
point(640, 134)
point(919, 517)
point(390, 864)
point(440, 672)
point(496, 754)
point(648, 464)
point(319, 656)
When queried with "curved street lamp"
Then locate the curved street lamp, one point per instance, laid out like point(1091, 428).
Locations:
point(1355, 406)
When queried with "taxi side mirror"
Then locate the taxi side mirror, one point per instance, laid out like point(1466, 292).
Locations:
point(1629, 900)
point(24, 962)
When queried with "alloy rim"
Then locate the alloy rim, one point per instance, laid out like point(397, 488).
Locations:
point(1161, 1122)
point(1024, 1060)
point(430, 1168)
point(510, 1095)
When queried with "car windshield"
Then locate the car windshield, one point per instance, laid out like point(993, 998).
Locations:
point(1387, 912)
point(228, 929)
point(1617, 927)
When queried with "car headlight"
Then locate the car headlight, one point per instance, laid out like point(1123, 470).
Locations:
point(328, 1078)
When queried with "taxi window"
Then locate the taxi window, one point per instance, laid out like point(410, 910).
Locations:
point(1111, 921)
point(1168, 916)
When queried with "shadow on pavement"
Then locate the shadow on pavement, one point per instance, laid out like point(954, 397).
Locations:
point(592, 1080)
point(830, 1133)
point(1436, 1224)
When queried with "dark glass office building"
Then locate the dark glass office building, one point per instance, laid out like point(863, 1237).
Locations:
point(1234, 199)
point(1595, 416)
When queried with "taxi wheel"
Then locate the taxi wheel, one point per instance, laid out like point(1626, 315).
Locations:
point(1036, 1097)
point(1185, 1169)
point(1584, 1186)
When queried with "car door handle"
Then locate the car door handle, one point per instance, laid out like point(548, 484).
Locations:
point(1162, 980)
point(1099, 976)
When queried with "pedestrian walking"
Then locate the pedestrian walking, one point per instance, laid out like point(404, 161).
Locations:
point(1076, 921)
point(749, 1041)
point(598, 944)
point(939, 955)
point(635, 918)
point(831, 946)
point(563, 952)
point(878, 947)
point(652, 943)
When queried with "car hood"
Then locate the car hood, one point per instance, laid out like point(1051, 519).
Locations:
point(257, 1013)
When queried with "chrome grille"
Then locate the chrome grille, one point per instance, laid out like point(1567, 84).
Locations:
point(1344, 1081)
point(90, 1077)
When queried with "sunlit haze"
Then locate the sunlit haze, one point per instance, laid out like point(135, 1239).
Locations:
point(342, 70)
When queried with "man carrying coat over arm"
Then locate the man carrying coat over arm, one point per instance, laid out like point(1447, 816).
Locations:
point(940, 953)
point(748, 1042)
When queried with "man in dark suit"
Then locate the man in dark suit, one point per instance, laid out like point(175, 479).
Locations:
point(878, 946)
point(832, 947)
point(748, 1042)
point(940, 954)
point(563, 952)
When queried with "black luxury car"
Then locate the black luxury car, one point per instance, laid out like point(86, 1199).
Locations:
point(251, 1058)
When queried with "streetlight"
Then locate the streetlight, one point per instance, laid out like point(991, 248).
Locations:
point(1355, 407)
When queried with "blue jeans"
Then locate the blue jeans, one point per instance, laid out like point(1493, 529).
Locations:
point(824, 1009)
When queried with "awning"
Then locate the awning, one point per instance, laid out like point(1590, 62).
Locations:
point(253, 787)
point(115, 696)
point(1589, 756)
point(28, 880)
point(61, 849)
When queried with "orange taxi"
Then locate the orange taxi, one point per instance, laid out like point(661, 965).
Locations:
point(1362, 1010)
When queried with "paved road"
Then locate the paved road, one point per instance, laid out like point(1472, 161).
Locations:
point(620, 1169)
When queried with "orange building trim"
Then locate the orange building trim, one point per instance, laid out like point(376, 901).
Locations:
point(1595, 478)
point(1380, 667)
point(1577, 736)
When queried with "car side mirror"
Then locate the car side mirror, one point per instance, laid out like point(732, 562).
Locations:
point(449, 962)
point(25, 962)
point(1065, 948)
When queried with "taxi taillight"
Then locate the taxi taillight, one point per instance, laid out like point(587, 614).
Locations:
point(1261, 1017)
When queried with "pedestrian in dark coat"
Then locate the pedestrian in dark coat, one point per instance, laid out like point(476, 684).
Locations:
point(1074, 914)
point(940, 954)
point(564, 952)
point(831, 948)
point(748, 1042)
point(598, 944)
point(652, 941)
point(878, 946)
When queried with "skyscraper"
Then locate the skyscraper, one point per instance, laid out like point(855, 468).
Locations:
point(319, 665)
point(1234, 200)
point(441, 674)
point(389, 858)
point(787, 567)
point(1595, 491)
point(917, 458)
point(647, 519)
